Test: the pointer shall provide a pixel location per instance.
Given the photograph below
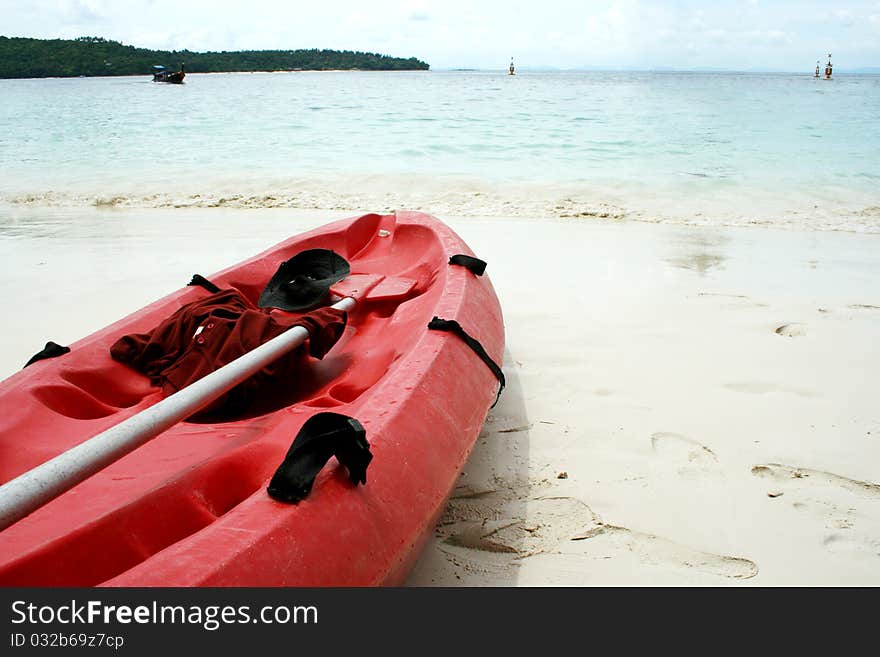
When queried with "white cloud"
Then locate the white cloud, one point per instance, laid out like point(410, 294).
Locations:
point(767, 37)
point(416, 11)
point(81, 11)
point(844, 17)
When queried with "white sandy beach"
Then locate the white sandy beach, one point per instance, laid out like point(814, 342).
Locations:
point(685, 404)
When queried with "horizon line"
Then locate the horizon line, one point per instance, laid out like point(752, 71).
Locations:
point(655, 69)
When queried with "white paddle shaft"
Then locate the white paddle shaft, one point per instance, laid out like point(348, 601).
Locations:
point(35, 488)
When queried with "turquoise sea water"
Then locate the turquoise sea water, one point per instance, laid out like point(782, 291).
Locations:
point(692, 147)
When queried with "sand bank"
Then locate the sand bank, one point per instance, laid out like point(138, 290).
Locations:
point(686, 405)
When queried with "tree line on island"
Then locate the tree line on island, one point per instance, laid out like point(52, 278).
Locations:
point(92, 56)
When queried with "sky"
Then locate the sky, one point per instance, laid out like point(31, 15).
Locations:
point(566, 34)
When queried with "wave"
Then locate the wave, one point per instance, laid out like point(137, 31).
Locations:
point(845, 210)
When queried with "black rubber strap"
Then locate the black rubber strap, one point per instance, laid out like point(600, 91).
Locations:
point(477, 266)
point(323, 435)
point(51, 350)
point(198, 279)
point(438, 324)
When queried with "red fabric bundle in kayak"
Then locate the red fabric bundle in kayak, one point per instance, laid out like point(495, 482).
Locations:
point(204, 335)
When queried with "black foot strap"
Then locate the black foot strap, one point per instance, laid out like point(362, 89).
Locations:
point(198, 279)
point(51, 350)
point(477, 266)
point(452, 326)
point(322, 436)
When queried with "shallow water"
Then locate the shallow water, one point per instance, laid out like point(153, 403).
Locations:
point(713, 148)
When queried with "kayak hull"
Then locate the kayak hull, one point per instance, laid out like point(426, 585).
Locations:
point(190, 508)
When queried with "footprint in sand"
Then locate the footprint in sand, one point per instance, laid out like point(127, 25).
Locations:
point(551, 521)
point(685, 456)
point(760, 388)
point(502, 522)
point(683, 448)
point(849, 545)
point(736, 300)
point(835, 500)
point(806, 476)
point(718, 294)
point(656, 550)
point(793, 330)
point(484, 531)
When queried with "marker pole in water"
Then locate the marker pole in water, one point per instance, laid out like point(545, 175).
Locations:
point(35, 488)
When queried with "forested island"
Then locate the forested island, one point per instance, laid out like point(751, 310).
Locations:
point(91, 56)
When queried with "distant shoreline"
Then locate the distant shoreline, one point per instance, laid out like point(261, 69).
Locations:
point(22, 57)
point(190, 75)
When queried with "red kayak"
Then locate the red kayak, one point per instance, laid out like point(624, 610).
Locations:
point(414, 370)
